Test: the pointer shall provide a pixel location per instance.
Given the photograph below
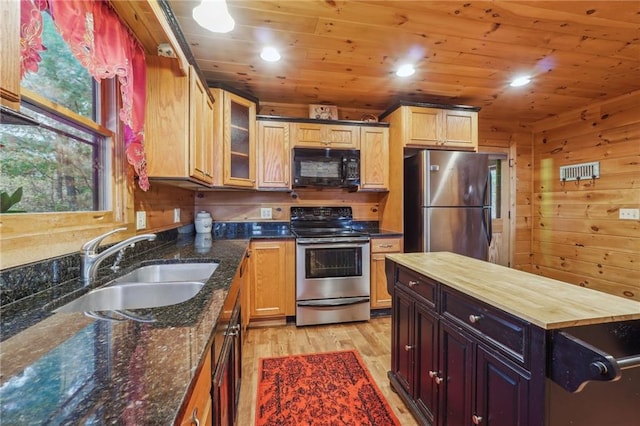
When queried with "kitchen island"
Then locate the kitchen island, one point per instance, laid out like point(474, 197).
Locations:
point(474, 342)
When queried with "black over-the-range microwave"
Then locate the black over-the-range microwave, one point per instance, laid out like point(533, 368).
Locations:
point(332, 168)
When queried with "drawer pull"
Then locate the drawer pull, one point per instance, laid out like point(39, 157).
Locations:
point(194, 417)
point(413, 283)
point(476, 419)
point(385, 245)
point(474, 318)
point(408, 347)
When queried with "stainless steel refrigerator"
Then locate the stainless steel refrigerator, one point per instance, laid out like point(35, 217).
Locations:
point(447, 203)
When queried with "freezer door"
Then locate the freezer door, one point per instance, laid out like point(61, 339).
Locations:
point(456, 178)
point(459, 230)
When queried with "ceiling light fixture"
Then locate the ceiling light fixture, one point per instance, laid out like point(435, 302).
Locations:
point(405, 70)
point(214, 16)
point(270, 54)
point(520, 81)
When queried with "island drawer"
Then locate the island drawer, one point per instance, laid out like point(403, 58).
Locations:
point(420, 284)
point(507, 333)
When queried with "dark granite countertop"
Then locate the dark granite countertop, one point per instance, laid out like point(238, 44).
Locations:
point(67, 368)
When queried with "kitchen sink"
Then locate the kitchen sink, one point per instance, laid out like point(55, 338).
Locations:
point(136, 295)
point(148, 286)
point(169, 272)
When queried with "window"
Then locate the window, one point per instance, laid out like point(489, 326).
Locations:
point(60, 165)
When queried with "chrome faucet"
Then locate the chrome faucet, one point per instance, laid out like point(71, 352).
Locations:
point(90, 260)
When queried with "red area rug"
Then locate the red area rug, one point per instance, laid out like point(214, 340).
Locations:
point(333, 388)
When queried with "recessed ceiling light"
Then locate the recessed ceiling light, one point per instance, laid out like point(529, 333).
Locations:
point(520, 81)
point(270, 54)
point(405, 70)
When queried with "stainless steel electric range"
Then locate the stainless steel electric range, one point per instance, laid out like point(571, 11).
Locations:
point(332, 266)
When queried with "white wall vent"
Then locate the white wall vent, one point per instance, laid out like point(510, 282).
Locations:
point(584, 171)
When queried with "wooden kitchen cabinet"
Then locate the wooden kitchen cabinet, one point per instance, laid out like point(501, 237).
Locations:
point(198, 407)
point(235, 134)
point(437, 128)
point(273, 155)
point(178, 126)
point(272, 293)
point(10, 47)
point(319, 135)
point(380, 297)
point(374, 158)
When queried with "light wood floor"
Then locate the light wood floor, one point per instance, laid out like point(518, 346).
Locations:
point(372, 339)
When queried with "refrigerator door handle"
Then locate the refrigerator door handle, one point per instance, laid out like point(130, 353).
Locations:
point(487, 223)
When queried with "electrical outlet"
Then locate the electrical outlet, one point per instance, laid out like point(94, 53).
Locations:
point(176, 215)
point(266, 213)
point(141, 220)
point(629, 214)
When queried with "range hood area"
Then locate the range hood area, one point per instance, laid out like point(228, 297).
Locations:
point(10, 116)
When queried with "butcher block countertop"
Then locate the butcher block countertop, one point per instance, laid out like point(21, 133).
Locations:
point(547, 303)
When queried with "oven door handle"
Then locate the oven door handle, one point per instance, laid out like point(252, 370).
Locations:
point(334, 243)
point(333, 302)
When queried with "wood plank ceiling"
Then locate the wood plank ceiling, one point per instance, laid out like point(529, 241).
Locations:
point(345, 53)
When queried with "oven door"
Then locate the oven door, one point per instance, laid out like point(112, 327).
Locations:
point(332, 268)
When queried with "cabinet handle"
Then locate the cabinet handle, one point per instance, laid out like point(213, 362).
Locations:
point(412, 283)
point(408, 347)
point(476, 419)
point(194, 417)
point(385, 245)
point(474, 318)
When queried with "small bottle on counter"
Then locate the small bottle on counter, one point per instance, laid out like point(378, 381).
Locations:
point(203, 222)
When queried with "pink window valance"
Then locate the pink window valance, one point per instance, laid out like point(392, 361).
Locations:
point(106, 48)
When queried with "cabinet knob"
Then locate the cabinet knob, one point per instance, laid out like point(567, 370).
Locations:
point(474, 318)
point(435, 377)
point(408, 347)
point(476, 419)
point(412, 283)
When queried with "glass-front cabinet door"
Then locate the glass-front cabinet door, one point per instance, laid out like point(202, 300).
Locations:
point(239, 141)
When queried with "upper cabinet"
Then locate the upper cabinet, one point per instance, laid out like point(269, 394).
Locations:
point(273, 155)
point(374, 158)
point(10, 48)
point(446, 128)
point(178, 123)
point(234, 149)
point(319, 135)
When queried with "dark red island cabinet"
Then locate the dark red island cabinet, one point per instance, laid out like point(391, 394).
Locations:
point(458, 361)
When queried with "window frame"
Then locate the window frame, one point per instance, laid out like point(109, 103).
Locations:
point(62, 233)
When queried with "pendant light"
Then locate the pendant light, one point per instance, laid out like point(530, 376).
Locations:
point(214, 16)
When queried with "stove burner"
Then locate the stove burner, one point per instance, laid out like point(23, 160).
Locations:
point(323, 222)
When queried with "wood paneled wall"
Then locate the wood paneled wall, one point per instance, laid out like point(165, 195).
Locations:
point(302, 111)
point(577, 235)
point(244, 206)
point(159, 201)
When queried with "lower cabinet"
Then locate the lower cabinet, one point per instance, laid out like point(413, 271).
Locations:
point(449, 373)
point(272, 290)
point(380, 297)
point(227, 377)
point(198, 410)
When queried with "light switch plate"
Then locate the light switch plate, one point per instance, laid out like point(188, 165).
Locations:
point(629, 214)
point(141, 220)
point(176, 215)
point(266, 213)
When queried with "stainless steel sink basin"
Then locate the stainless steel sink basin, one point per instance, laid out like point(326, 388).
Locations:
point(136, 295)
point(169, 272)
